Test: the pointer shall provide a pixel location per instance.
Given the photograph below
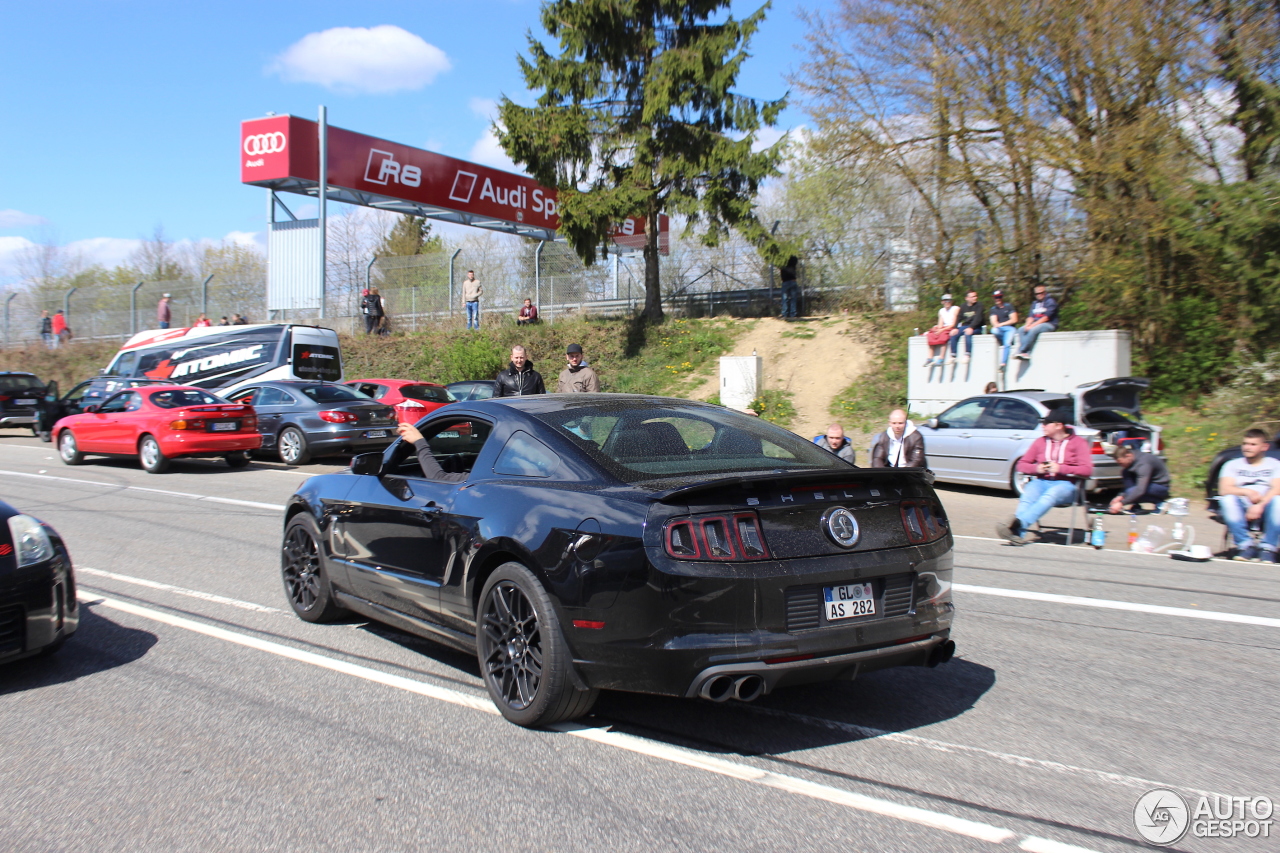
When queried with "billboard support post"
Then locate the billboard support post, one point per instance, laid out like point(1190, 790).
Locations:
point(537, 272)
point(324, 199)
point(452, 258)
point(66, 302)
point(204, 295)
point(8, 299)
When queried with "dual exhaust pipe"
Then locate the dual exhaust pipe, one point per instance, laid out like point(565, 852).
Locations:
point(721, 688)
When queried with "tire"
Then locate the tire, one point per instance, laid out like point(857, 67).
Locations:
point(69, 448)
point(1017, 480)
point(237, 460)
point(524, 658)
point(306, 580)
point(292, 447)
point(151, 456)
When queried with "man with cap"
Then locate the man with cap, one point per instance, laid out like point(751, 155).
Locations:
point(1058, 461)
point(1004, 325)
point(577, 376)
point(163, 313)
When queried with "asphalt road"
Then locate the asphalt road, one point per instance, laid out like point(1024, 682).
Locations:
point(193, 711)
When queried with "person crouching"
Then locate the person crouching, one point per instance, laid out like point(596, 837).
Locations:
point(1059, 460)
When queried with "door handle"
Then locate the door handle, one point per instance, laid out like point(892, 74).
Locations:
point(430, 511)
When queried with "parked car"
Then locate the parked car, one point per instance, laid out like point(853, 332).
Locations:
point(301, 420)
point(410, 398)
point(631, 543)
point(38, 607)
point(978, 441)
point(160, 423)
point(52, 408)
point(20, 394)
point(473, 389)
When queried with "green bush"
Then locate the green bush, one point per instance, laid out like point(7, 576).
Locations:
point(774, 406)
point(473, 357)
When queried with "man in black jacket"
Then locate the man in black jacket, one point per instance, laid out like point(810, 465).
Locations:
point(519, 378)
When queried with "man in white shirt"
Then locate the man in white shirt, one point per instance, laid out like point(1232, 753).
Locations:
point(900, 446)
point(1249, 490)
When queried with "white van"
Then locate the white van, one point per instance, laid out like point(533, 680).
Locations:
point(223, 358)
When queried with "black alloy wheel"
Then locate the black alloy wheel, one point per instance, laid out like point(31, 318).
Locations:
point(306, 583)
point(523, 655)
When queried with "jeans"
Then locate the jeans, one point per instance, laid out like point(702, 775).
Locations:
point(1040, 496)
point(162, 324)
point(473, 315)
point(790, 298)
point(956, 335)
point(1006, 335)
point(1027, 337)
point(1232, 508)
point(370, 323)
point(50, 340)
point(1156, 492)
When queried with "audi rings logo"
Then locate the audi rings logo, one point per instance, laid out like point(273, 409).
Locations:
point(264, 143)
point(842, 527)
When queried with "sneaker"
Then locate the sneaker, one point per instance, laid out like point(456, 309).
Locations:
point(1248, 553)
point(1011, 530)
point(1023, 356)
point(928, 362)
point(1002, 365)
point(964, 359)
point(951, 359)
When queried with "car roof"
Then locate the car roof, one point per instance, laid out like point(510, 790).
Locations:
point(16, 373)
point(395, 382)
point(536, 404)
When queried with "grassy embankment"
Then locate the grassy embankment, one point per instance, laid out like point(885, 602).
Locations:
point(1193, 432)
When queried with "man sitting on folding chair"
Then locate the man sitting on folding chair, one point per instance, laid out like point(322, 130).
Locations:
point(1249, 491)
point(1059, 460)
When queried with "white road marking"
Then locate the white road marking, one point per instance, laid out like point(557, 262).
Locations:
point(188, 495)
point(1044, 845)
point(618, 740)
point(1158, 609)
point(945, 746)
point(178, 590)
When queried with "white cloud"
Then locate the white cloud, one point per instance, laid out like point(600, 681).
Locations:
point(11, 249)
point(103, 251)
point(18, 219)
point(766, 136)
point(484, 107)
point(374, 60)
point(488, 152)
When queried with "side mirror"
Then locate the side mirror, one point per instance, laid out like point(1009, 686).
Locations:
point(367, 463)
point(91, 408)
point(932, 423)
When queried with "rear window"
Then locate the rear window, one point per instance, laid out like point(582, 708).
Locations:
point(334, 394)
point(184, 397)
point(20, 382)
point(648, 442)
point(427, 393)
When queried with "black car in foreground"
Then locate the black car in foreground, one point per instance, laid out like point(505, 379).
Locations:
point(619, 542)
point(38, 609)
point(301, 420)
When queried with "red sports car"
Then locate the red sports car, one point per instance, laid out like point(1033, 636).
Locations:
point(410, 398)
point(160, 423)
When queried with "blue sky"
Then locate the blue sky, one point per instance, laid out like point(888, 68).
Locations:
point(118, 117)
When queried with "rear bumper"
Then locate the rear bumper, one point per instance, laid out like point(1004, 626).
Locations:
point(348, 441)
point(208, 444)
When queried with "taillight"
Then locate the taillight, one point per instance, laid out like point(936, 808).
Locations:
point(716, 537)
point(4, 399)
point(1097, 449)
point(1160, 444)
point(923, 520)
point(249, 423)
point(334, 416)
point(187, 423)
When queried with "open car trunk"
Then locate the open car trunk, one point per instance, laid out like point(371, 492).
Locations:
point(1113, 407)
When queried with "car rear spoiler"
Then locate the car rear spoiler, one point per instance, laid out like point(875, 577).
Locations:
point(781, 478)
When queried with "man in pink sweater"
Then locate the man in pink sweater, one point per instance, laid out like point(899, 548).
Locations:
point(1058, 460)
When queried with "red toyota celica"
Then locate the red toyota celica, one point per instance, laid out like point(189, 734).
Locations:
point(411, 399)
point(160, 423)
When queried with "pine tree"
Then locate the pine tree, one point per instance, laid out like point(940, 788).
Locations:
point(411, 235)
point(634, 119)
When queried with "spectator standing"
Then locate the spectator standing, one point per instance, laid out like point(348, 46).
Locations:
point(202, 320)
point(1249, 490)
point(239, 320)
point(528, 313)
point(46, 331)
point(1059, 461)
point(899, 446)
point(374, 309)
point(1042, 318)
point(968, 325)
point(836, 441)
point(577, 377)
point(224, 321)
point(519, 379)
point(790, 288)
point(991, 388)
point(61, 331)
point(1146, 478)
point(163, 312)
point(471, 293)
point(1004, 323)
point(940, 334)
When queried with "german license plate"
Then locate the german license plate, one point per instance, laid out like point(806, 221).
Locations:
point(24, 402)
point(376, 433)
point(848, 601)
point(225, 426)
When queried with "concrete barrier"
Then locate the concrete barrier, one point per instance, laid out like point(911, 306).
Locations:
point(1060, 362)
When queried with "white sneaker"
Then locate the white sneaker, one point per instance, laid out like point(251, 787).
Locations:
point(951, 359)
point(964, 359)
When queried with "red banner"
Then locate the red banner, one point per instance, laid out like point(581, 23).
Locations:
point(279, 148)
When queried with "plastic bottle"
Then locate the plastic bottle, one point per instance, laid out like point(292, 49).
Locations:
point(1133, 531)
point(1098, 536)
point(1179, 534)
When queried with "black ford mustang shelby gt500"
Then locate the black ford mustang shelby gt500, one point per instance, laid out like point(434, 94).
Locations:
point(38, 608)
point(607, 541)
